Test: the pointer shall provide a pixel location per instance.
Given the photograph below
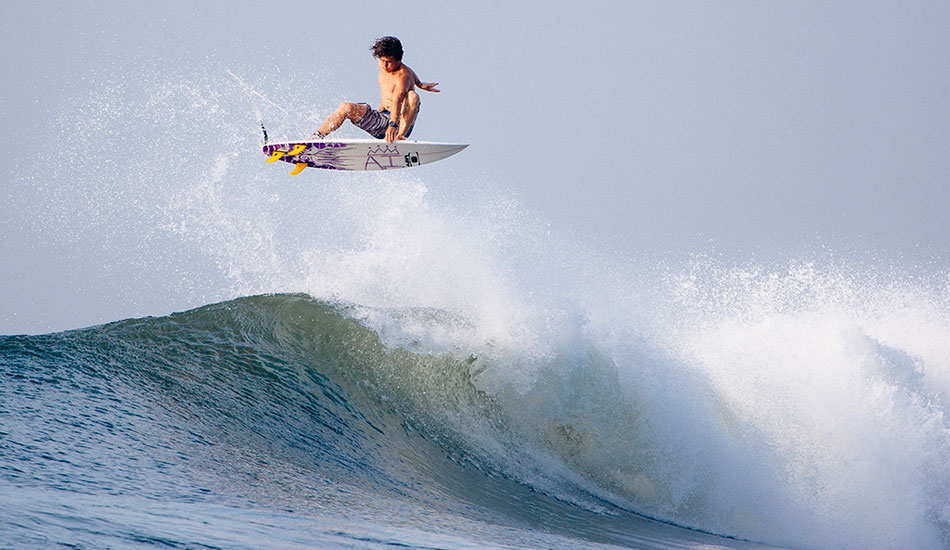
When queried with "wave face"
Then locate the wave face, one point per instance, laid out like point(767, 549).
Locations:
point(284, 407)
point(294, 406)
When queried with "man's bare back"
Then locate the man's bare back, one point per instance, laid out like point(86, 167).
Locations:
point(398, 102)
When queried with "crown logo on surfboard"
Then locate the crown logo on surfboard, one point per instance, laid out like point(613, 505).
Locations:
point(384, 150)
point(382, 157)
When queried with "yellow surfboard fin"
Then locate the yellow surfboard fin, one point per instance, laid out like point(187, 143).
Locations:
point(299, 148)
point(275, 156)
point(299, 168)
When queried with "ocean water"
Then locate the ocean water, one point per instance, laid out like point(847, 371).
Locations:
point(393, 360)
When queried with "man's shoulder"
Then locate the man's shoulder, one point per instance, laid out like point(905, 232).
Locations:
point(405, 72)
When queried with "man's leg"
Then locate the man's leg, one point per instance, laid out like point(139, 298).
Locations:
point(352, 111)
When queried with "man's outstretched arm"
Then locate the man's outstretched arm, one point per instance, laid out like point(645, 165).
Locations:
point(427, 86)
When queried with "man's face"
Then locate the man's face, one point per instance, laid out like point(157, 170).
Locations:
point(389, 64)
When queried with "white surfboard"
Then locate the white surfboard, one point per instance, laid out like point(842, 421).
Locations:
point(358, 154)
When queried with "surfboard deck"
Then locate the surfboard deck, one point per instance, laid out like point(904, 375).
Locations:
point(358, 154)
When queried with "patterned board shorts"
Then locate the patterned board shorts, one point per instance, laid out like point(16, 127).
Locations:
point(375, 122)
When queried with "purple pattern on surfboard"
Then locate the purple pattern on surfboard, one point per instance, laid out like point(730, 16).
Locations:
point(325, 155)
point(322, 157)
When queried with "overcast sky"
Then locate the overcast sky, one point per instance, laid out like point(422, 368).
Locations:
point(760, 131)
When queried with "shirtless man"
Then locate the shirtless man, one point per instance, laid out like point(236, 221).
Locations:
point(398, 104)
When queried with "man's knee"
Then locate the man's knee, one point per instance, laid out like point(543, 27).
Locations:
point(351, 110)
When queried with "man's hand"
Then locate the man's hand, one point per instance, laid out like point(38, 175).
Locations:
point(391, 132)
point(429, 86)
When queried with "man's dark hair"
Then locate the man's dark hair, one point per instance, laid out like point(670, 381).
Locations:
point(387, 46)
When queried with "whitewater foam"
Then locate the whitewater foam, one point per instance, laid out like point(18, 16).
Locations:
point(818, 364)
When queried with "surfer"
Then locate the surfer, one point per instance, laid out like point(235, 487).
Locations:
point(399, 102)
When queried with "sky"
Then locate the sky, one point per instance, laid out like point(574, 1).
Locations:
point(749, 131)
